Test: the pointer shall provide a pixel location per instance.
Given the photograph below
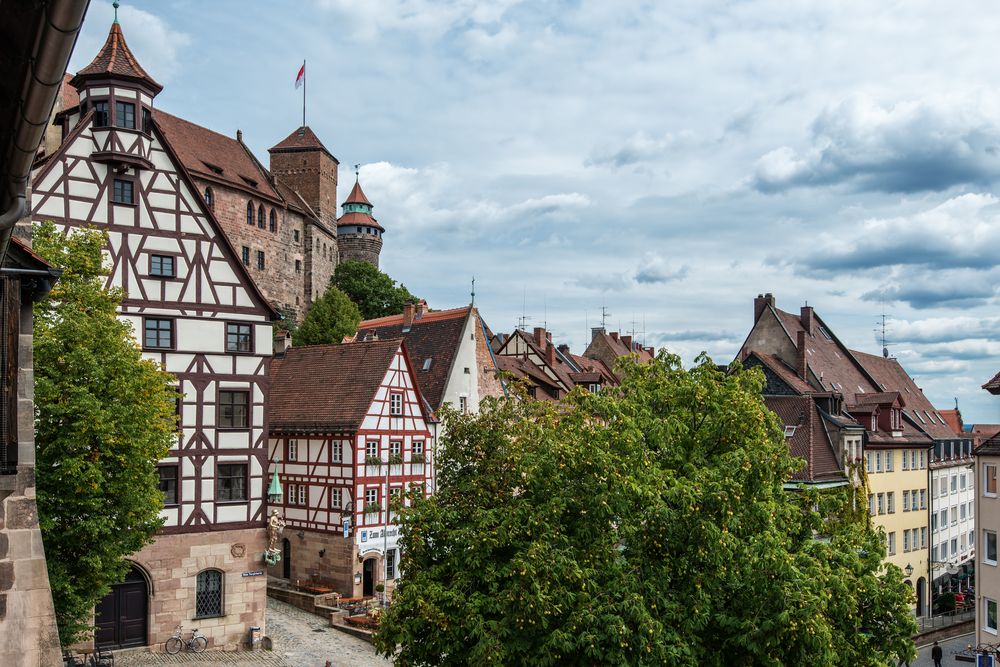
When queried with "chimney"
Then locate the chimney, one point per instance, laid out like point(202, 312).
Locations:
point(564, 348)
point(760, 304)
point(806, 315)
point(239, 136)
point(595, 332)
point(282, 343)
point(421, 309)
point(550, 355)
point(408, 311)
point(802, 366)
point(627, 342)
point(370, 335)
point(614, 336)
point(540, 338)
point(651, 351)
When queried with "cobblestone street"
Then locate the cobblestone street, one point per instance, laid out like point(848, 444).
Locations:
point(300, 640)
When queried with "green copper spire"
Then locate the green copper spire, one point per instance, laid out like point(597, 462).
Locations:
point(274, 493)
point(115, 5)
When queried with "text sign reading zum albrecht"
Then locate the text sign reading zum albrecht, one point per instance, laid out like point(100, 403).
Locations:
point(255, 573)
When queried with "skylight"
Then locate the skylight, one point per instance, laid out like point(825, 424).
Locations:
point(427, 363)
point(789, 431)
point(826, 334)
point(922, 420)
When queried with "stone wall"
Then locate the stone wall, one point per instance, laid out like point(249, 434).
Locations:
point(489, 383)
point(335, 568)
point(172, 564)
point(365, 248)
point(27, 617)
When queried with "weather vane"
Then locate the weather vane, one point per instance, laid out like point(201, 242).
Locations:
point(357, 171)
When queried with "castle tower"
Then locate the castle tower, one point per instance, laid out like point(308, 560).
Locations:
point(359, 235)
point(303, 163)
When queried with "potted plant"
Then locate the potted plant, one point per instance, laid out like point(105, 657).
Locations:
point(395, 459)
point(373, 508)
point(418, 458)
point(374, 461)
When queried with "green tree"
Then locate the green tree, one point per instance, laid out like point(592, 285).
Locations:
point(375, 293)
point(104, 418)
point(645, 525)
point(329, 319)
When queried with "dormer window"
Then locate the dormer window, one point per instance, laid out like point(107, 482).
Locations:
point(100, 114)
point(789, 431)
point(125, 115)
point(874, 423)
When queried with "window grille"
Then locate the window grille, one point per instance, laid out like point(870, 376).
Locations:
point(208, 598)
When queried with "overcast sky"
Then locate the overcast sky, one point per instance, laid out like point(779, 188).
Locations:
point(666, 160)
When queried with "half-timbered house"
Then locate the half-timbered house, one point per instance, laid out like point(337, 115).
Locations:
point(196, 311)
point(350, 436)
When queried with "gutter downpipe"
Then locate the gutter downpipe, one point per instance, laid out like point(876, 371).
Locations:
point(49, 58)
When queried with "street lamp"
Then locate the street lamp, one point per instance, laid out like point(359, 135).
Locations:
point(908, 569)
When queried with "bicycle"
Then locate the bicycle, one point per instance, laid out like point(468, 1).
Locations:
point(196, 644)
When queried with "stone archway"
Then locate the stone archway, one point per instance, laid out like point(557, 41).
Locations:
point(122, 617)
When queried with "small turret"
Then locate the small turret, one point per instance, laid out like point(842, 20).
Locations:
point(359, 235)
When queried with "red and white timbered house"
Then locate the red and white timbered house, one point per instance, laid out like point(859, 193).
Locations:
point(349, 433)
point(195, 310)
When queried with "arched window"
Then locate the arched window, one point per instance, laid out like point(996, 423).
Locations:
point(249, 212)
point(208, 595)
point(260, 217)
point(209, 198)
point(274, 221)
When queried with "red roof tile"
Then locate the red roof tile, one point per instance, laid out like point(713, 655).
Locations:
point(213, 155)
point(435, 336)
point(357, 218)
point(116, 59)
point(357, 196)
point(327, 387)
point(993, 385)
point(954, 420)
point(810, 440)
point(302, 139)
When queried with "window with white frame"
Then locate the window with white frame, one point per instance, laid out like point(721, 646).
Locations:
point(302, 494)
point(336, 498)
point(990, 616)
point(390, 564)
point(990, 480)
point(463, 404)
point(293, 494)
point(961, 481)
point(954, 546)
point(906, 501)
point(878, 461)
point(395, 404)
point(923, 459)
point(890, 502)
point(923, 499)
point(417, 447)
point(293, 450)
point(954, 483)
point(906, 540)
point(954, 515)
point(889, 456)
point(337, 451)
point(923, 537)
point(371, 451)
point(961, 514)
point(871, 504)
point(914, 501)
point(881, 503)
point(913, 459)
point(870, 461)
point(990, 550)
point(891, 547)
point(372, 507)
point(906, 461)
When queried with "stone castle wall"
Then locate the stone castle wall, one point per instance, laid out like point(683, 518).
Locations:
point(365, 248)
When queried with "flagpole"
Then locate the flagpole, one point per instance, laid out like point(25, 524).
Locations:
point(303, 93)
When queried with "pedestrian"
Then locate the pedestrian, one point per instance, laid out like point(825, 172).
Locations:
point(936, 655)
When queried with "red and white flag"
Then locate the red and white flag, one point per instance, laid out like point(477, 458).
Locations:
point(300, 79)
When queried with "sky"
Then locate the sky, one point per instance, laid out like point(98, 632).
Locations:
point(665, 161)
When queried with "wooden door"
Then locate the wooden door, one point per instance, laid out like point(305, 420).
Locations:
point(121, 615)
point(368, 583)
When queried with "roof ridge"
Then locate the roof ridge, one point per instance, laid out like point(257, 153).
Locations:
point(430, 316)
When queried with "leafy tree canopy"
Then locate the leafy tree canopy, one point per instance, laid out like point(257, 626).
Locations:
point(104, 418)
point(375, 293)
point(645, 525)
point(329, 319)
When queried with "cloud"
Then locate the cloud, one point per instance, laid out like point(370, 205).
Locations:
point(942, 329)
point(653, 269)
point(960, 233)
point(640, 147)
point(910, 146)
point(694, 335)
point(940, 291)
point(428, 18)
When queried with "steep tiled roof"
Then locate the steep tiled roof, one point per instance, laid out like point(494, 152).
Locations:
point(69, 96)
point(207, 153)
point(327, 387)
point(993, 385)
point(357, 195)
point(116, 59)
point(435, 336)
point(784, 372)
point(810, 441)
point(892, 377)
point(954, 420)
point(990, 447)
point(525, 370)
point(358, 218)
point(302, 139)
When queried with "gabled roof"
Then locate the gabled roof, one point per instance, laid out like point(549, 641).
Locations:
point(953, 418)
point(892, 377)
point(115, 59)
point(993, 385)
point(434, 336)
point(784, 372)
point(327, 387)
point(301, 140)
point(212, 155)
point(990, 447)
point(810, 440)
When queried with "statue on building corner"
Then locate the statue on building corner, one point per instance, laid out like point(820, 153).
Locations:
point(275, 526)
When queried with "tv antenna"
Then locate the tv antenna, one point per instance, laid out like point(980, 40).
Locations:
point(604, 317)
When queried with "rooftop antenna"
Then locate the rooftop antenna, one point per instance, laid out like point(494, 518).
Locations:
point(604, 317)
point(545, 313)
point(524, 318)
point(644, 329)
point(473, 290)
point(881, 331)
